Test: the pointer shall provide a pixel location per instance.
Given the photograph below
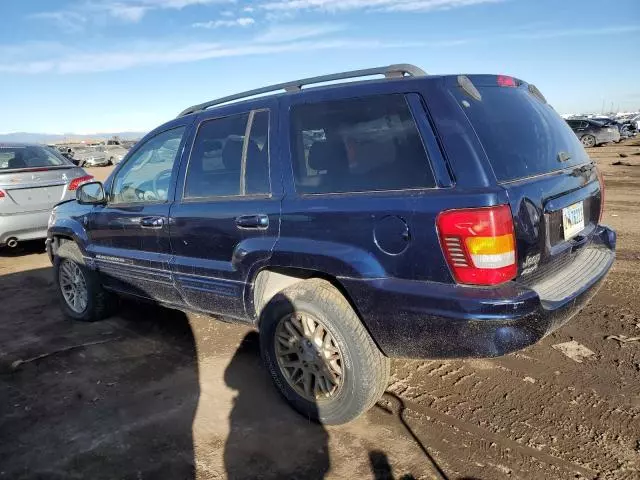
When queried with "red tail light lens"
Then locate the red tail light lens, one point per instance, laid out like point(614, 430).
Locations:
point(479, 244)
point(601, 180)
point(505, 81)
point(2, 194)
point(76, 182)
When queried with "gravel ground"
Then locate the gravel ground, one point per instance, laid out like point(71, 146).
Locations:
point(153, 393)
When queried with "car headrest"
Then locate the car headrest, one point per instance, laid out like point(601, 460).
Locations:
point(17, 161)
point(232, 155)
point(328, 155)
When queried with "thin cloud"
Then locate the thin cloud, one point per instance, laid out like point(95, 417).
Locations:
point(148, 54)
point(70, 21)
point(236, 22)
point(77, 16)
point(370, 5)
point(575, 32)
point(292, 32)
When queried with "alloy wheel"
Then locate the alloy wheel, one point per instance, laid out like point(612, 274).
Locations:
point(308, 357)
point(588, 141)
point(73, 286)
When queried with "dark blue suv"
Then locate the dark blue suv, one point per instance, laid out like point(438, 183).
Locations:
point(412, 216)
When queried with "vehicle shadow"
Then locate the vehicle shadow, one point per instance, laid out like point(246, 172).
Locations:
point(104, 400)
point(118, 398)
point(267, 439)
point(27, 247)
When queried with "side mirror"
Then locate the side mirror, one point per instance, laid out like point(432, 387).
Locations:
point(91, 194)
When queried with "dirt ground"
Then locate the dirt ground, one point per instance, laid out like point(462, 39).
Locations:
point(153, 393)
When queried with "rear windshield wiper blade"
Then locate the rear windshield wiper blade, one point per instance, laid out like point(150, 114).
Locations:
point(581, 170)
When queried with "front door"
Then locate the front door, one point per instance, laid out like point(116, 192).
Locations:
point(225, 222)
point(129, 237)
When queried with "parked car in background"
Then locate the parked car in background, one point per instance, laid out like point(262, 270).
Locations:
point(33, 178)
point(91, 157)
point(592, 133)
point(349, 225)
point(114, 153)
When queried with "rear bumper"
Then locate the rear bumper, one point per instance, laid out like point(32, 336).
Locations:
point(24, 226)
point(433, 320)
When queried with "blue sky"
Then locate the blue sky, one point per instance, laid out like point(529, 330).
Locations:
point(86, 66)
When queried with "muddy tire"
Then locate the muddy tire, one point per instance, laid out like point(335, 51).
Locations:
point(319, 354)
point(71, 275)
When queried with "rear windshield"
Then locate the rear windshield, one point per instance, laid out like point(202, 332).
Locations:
point(522, 135)
point(30, 156)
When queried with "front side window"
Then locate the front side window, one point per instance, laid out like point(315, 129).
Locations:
point(225, 161)
point(356, 145)
point(147, 174)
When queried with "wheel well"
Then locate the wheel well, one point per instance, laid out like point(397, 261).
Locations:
point(271, 281)
point(58, 241)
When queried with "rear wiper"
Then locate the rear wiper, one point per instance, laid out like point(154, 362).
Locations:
point(583, 169)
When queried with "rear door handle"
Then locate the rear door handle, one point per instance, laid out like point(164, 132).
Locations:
point(152, 222)
point(253, 221)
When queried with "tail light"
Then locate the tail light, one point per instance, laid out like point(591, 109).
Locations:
point(2, 194)
point(601, 180)
point(76, 182)
point(479, 244)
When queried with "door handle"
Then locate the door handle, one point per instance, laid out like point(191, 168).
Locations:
point(253, 221)
point(152, 222)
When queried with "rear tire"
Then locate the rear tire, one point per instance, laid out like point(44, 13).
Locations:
point(364, 369)
point(69, 262)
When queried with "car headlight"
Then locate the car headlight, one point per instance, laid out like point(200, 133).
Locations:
point(52, 218)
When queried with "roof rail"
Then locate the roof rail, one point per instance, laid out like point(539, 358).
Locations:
point(389, 71)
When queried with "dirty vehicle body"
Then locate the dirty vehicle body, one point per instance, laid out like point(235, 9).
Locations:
point(415, 216)
point(593, 133)
point(33, 179)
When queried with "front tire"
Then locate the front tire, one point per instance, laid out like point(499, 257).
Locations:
point(79, 289)
point(588, 141)
point(320, 356)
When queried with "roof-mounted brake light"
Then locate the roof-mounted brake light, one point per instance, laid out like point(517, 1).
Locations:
point(505, 81)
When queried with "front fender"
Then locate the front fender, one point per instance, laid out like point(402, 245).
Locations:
point(70, 220)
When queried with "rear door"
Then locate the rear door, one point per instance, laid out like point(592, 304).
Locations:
point(365, 189)
point(551, 183)
point(226, 219)
point(129, 236)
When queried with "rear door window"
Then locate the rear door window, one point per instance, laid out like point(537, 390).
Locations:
point(522, 135)
point(225, 162)
point(356, 145)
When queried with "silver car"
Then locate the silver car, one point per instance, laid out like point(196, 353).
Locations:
point(91, 157)
point(33, 178)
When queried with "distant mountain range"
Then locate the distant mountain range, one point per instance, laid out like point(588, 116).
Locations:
point(66, 137)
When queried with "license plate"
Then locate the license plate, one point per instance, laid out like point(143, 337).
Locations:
point(572, 220)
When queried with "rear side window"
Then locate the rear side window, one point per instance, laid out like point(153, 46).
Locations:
point(521, 135)
point(356, 145)
point(225, 162)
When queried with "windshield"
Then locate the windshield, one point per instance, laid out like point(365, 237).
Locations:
point(30, 156)
point(522, 136)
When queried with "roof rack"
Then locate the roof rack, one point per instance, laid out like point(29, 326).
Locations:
point(389, 71)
